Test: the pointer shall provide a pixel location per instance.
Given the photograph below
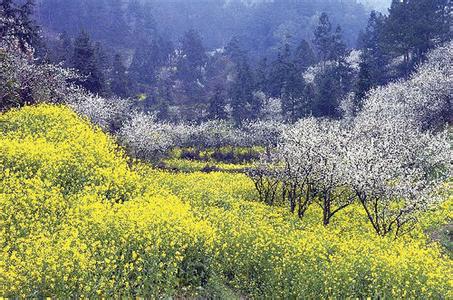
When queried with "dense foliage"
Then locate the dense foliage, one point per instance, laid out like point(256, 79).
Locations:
point(238, 60)
point(76, 220)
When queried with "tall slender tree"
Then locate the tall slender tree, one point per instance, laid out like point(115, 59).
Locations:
point(304, 56)
point(120, 84)
point(323, 38)
point(217, 103)
point(191, 66)
point(374, 61)
point(85, 61)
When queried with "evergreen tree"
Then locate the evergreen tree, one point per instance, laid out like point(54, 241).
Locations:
point(64, 50)
point(413, 27)
point(193, 56)
point(164, 95)
point(364, 83)
point(234, 52)
point(338, 46)
point(241, 93)
point(244, 105)
point(101, 57)
point(304, 57)
point(374, 61)
point(291, 106)
point(95, 17)
point(85, 61)
point(335, 80)
point(342, 69)
point(145, 62)
point(307, 106)
point(262, 80)
point(216, 109)
point(120, 84)
point(161, 108)
point(327, 94)
point(287, 84)
point(280, 73)
point(191, 66)
point(323, 38)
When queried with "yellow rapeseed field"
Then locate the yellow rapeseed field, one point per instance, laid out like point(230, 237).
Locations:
point(80, 219)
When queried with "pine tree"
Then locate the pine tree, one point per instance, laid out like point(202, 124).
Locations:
point(323, 38)
point(118, 28)
point(327, 94)
point(191, 66)
point(413, 27)
point(120, 84)
point(193, 56)
point(163, 95)
point(338, 46)
point(364, 83)
point(146, 63)
point(304, 57)
point(287, 83)
point(374, 61)
point(335, 80)
point(281, 71)
point(241, 94)
point(262, 80)
point(217, 103)
point(244, 105)
point(64, 49)
point(162, 109)
point(307, 106)
point(85, 61)
point(234, 52)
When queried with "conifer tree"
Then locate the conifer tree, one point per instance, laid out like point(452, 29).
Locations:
point(374, 61)
point(145, 62)
point(191, 65)
point(323, 38)
point(120, 84)
point(304, 56)
point(64, 49)
point(118, 28)
point(262, 80)
point(217, 103)
point(85, 61)
point(244, 105)
point(413, 27)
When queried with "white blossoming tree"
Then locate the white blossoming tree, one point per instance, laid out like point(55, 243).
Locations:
point(395, 172)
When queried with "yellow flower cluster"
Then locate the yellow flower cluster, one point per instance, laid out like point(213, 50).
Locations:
point(186, 165)
point(78, 219)
point(265, 252)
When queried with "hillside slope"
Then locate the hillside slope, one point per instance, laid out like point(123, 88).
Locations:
point(78, 218)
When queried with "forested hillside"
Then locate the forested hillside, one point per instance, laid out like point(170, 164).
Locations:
point(260, 25)
point(225, 150)
point(234, 60)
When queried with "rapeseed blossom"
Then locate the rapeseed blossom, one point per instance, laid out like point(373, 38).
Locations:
point(79, 219)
